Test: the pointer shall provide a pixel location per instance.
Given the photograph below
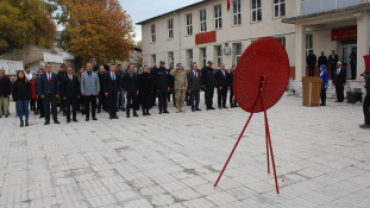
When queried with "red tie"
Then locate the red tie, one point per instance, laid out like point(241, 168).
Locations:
point(49, 78)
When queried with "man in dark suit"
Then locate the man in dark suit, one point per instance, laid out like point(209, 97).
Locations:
point(222, 86)
point(111, 89)
point(231, 85)
point(162, 81)
point(353, 63)
point(131, 86)
point(311, 63)
point(71, 92)
point(339, 81)
point(323, 60)
point(194, 85)
point(61, 73)
point(49, 91)
point(208, 84)
point(333, 60)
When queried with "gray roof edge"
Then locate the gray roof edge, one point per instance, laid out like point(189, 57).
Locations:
point(346, 9)
point(176, 10)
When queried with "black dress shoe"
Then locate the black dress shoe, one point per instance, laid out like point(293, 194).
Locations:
point(69, 121)
point(135, 115)
point(41, 116)
point(219, 108)
point(87, 119)
point(123, 109)
point(22, 124)
point(160, 112)
point(224, 107)
point(212, 108)
point(127, 116)
point(56, 122)
point(94, 119)
point(47, 123)
point(192, 110)
point(148, 114)
point(75, 121)
point(166, 112)
point(26, 123)
point(110, 117)
point(198, 109)
point(116, 117)
point(6, 116)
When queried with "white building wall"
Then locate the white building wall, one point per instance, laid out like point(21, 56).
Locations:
point(244, 33)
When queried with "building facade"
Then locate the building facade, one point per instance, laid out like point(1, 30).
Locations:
point(207, 31)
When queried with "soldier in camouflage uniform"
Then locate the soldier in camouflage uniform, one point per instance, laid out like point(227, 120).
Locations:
point(181, 86)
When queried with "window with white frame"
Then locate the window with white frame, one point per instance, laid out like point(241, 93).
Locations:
point(152, 28)
point(170, 28)
point(281, 40)
point(237, 12)
point(170, 58)
point(279, 8)
point(189, 24)
point(256, 10)
point(238, 51)
point(203, 20)
point(154, 59)
point(219, 55)
point(309, 43)
point(218, 17)
point(190, 57)
point(204, 56)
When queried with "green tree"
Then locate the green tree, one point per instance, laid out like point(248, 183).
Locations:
point(26, 22)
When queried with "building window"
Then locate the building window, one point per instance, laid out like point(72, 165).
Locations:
point(279, 7)
point(190, 57)
point(170, 58)
point(154, 60)
point(204, 56)
point(170, 28)
point(219, 55)
point(237, 12)
point(309, 43)
point(153, 33)
point(203, 20)
point(189, 23)
point(238, 53)
point(281, 40)
point(256, 10)
point(218, 17)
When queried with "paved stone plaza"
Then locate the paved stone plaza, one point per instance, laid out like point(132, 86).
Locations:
point(322, 157)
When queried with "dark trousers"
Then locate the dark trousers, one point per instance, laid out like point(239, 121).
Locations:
point(154, 97)
point(339, 88)
point(311, 71)
point(210, 90)
point(90, 99)
point(50, 100)
point(333, 71)
point(111, 104)
point(146, 99)
point(232, 103)
point(162, 100)
point(72, 101)
point(131, 100)
point(40, 106)
point(63, 106)
point(194, 99)
point(222, 96)
point(102, 101)
point(33, 105)
point(323, 96)
point(353, 70)
point(367, 108)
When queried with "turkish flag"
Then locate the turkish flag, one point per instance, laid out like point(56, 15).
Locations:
point(228, 5)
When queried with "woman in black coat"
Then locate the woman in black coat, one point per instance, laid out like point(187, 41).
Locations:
point(145, 89)
point(22, 95)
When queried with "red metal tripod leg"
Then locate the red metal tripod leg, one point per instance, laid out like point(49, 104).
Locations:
point(267, 148)
point(271, 151)
point(232, 152)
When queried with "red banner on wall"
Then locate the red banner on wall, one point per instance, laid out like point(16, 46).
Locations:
point(206, 37)
point(348, 33)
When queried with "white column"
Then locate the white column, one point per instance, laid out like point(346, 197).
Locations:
point(300, 52)
point(363, 42)
point(298, 7)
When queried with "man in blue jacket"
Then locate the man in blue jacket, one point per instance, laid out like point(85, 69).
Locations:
point(366, 75)
point(49, 91)
point(325, 80)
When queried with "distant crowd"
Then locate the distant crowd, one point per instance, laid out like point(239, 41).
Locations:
point(110, 88)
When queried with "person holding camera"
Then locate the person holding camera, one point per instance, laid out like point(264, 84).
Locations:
point(366, 75)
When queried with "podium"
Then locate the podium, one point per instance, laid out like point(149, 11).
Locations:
point(311, 90)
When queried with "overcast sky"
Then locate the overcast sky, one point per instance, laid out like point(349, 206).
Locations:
point(145, 9)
